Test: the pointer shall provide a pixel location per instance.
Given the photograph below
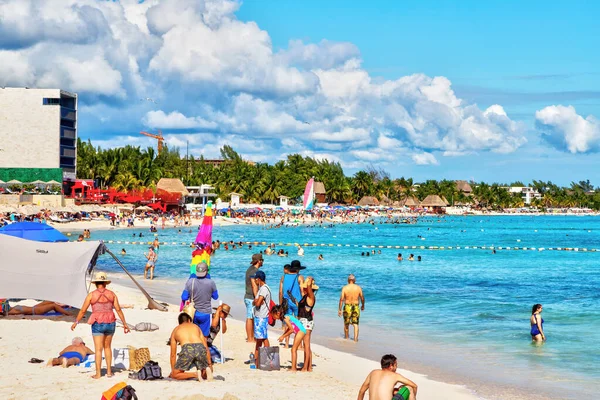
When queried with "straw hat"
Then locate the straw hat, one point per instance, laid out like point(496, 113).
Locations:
point(100, 277)
point(305, 284)
point(225, 308)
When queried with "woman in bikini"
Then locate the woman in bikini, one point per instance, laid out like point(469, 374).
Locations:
point(305, 315)
point(39, 309)
point(102, 320)
point(537, 323)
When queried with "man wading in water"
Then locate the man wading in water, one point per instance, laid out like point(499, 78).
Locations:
point(352, 294)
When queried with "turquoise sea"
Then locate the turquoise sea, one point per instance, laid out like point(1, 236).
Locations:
point(461, 314)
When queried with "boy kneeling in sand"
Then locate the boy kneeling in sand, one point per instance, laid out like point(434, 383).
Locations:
point(381, 383)
point(194, 351)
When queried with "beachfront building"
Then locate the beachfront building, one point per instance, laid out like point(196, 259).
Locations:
point(38, 135)
point(283, 201)
point(320, 193)
point(464, 187)
point(235, 199)
point(199, 194)
point(527, 193)
point(435, 204)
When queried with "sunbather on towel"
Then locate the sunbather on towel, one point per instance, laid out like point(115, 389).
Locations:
point(38, 309)
point(74, 354)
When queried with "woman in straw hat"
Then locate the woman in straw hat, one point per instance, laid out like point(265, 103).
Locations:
point(103, 320)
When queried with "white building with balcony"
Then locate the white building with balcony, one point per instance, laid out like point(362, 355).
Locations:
point(38, 134)
point(527, 193)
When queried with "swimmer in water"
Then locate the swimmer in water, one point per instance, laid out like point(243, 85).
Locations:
point(411, 257)
point(399, 256)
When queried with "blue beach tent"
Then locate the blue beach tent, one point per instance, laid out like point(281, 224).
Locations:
point(34, 231)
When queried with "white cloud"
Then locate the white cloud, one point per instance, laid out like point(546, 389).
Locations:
point(212, 72)
point(175, 120)
point(322, 55)
point(425, 159)
point(568, 131)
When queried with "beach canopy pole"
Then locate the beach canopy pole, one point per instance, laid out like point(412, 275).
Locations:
point(152, 304)
point(221, 328)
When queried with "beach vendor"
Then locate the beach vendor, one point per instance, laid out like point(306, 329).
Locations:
point(201, 289)
point(74, 354)
point(194, 351)
point(381, 383)
point(350, 299)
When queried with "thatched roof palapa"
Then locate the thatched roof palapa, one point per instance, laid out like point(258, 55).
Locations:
point(319, 188)
point(172, 185)
point(463, 186)
point(411, 202)
point(368, 201)
point(433, 200)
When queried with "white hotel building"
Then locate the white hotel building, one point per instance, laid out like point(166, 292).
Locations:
point(38, 134)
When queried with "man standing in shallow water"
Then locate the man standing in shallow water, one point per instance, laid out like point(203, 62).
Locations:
point(351, 295)
point(381, 383)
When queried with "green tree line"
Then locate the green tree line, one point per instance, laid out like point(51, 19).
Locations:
point(130, 167)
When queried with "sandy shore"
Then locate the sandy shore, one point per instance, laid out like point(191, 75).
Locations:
point(336, 375)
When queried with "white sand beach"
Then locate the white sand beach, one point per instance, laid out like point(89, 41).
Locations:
point(336, 375)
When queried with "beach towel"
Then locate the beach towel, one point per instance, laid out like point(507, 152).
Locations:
point(111, 393)
point(121, 358)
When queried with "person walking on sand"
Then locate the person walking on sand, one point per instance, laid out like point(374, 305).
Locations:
point(74, 354)
point(102, 320)
point(201, 290)
point(255, 264)
point(537, 323)
point(151, 256)
point(194, 351)
point(381, 383)
point(351, 297)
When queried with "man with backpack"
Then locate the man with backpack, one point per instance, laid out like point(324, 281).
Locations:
point(262, 307)
point(194, 351)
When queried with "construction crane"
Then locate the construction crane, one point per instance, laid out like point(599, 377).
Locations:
point(158, 137)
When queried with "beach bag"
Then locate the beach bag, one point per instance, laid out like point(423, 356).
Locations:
point(127, 393)
point(189, 308)
point(268, 358)
point(111, 394)
point(121, 358)
point(138, 357)
point(150, 371)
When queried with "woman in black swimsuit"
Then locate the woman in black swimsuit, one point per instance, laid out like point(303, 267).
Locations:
point(305, 315)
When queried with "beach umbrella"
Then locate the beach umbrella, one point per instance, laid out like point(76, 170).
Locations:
point(53, 183)
point(2, 182)
point(14, 182)
point(34, 231)
point(38, 182)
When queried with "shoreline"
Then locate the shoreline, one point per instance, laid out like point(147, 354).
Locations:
point(43, 337)
point(168, 289)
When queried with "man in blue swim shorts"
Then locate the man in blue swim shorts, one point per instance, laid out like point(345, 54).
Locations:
point(74, 354)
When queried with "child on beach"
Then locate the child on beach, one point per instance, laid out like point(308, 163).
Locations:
point(293, 324)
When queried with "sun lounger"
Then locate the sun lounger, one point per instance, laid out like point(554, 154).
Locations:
point(59, 220)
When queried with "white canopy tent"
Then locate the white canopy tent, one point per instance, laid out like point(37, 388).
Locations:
point(52, 271)
point(47, 271)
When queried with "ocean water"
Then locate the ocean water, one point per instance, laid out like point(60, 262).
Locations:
point(460, 311)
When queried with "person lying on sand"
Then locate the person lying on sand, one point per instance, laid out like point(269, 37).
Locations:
point(381, 383)
point(38, 309)
point(194, 351)
point(72, 355)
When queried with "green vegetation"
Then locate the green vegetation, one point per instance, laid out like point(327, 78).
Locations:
point(129, 167)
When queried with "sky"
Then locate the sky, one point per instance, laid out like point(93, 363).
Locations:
point(497, 91)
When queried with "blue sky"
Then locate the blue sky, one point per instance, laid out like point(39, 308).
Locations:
point(495, 91)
